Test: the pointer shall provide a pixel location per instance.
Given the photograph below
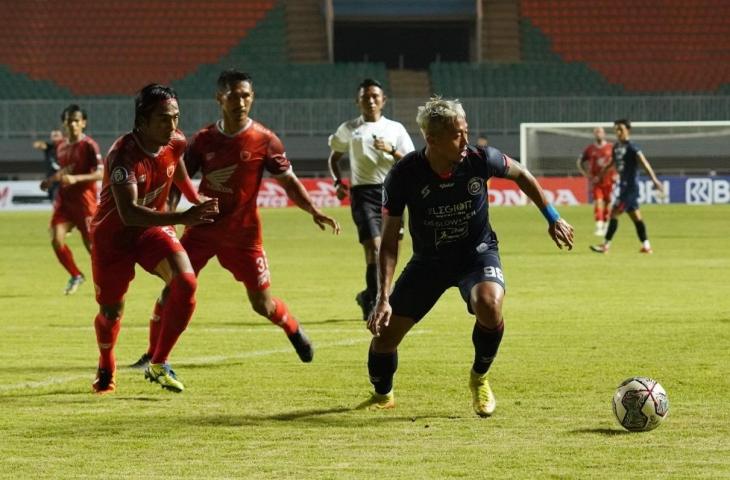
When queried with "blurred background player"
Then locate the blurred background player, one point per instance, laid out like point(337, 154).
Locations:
point(444, 188)
point(373, 144)
point(129, 228)
point(232, 155)
point(74, 204)
point(598, 156)
point(49, 158)
point(482, 141)
point(626, 159)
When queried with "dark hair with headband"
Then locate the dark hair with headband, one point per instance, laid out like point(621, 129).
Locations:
point(149, 97)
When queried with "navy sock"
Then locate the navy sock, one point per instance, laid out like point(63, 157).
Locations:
point(371, 281)
point(382, 367)
point(612, 226)
point(486, 343)
point(641, 230)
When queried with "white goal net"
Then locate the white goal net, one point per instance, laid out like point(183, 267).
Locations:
point(672, 148)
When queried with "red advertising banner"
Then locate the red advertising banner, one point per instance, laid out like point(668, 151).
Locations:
point(559, 191)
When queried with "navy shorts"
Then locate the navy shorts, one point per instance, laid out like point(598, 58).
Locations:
point(366, 203)
point(424, 280)
point(627, 201)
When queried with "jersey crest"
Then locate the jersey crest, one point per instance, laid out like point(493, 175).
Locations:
point(217, 178)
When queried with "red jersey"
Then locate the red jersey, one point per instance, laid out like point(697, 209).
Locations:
point(232, 167)
point(128, 163)
point(78, 158)
point(597, 158)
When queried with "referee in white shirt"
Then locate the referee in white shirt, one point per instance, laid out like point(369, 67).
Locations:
point(373, 144)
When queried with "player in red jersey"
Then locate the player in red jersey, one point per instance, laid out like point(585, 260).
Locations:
point(132, 226)
point(232, 155)
point(75, 201)
point(598, 155)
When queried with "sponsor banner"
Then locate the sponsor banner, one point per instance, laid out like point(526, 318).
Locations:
point(558, 190)
point(27, 195)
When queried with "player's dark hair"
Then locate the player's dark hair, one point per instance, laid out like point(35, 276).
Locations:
point(370, 82)
point(148, 97)
point(623, 121)
point(73, 108)
point(230, 77)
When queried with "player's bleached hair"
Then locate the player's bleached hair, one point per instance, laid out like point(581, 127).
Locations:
point(230, 77)
point(439, 114)
point(149, 97)
point(71, 109)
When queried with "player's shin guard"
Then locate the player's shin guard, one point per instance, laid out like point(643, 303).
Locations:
point(486, 343)
point(612, 227)
point(283, 318)
point(641, 230)
point(107, 331)
point(155, 327)
point(66, 258)
point(381, 368)
point(176, 313)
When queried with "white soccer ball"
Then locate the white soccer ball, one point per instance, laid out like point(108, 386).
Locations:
point(640, 404)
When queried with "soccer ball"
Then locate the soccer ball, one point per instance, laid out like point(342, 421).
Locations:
point(640, 404)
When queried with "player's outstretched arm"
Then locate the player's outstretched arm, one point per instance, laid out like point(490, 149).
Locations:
point(296, 191)
point(387, 260)
point(559, 230)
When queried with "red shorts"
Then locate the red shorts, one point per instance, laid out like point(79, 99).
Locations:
point(80, 219)
point(247, 263)
point(113, 264)
point(602, 192)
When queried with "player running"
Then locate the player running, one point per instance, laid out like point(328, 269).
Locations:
point(232, 155)
point(626, 158)
point(598, 157)
point(373, 144)
point(130, 227)
point(444, 187)
point(74, 204)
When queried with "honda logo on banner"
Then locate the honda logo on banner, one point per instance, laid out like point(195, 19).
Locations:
point(706, 191)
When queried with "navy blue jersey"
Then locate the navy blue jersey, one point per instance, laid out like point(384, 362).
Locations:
point(448, 217)
point(626, 158)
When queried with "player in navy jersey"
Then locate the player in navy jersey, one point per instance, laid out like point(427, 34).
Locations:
point(444, 187)
point(626, 159)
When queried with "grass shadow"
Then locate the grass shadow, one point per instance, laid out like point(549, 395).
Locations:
point(607, 432)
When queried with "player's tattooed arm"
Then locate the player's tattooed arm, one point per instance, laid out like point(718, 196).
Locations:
point(387, 261)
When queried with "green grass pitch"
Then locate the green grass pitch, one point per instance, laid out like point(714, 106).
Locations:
point(577, 323)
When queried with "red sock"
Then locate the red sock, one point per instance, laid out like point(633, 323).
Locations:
point(176, 313)
point(283, 318)
point(107, 331)
point(155, 325)
point(66, 258)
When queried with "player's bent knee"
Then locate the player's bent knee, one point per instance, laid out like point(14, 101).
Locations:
point(186, 283)
point(112, 312)
point(488, 310)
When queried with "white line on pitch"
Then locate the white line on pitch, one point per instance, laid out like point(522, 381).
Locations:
point(210, 360)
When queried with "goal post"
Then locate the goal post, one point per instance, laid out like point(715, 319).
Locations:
point(677, 148)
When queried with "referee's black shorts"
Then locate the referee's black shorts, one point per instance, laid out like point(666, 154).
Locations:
point(366, 203)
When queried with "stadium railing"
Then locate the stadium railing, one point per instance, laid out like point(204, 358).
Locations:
point(111, 117)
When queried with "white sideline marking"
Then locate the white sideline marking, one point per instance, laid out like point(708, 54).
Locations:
point(211, 360)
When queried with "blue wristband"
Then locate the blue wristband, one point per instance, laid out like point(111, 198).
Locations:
point(550, 214)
